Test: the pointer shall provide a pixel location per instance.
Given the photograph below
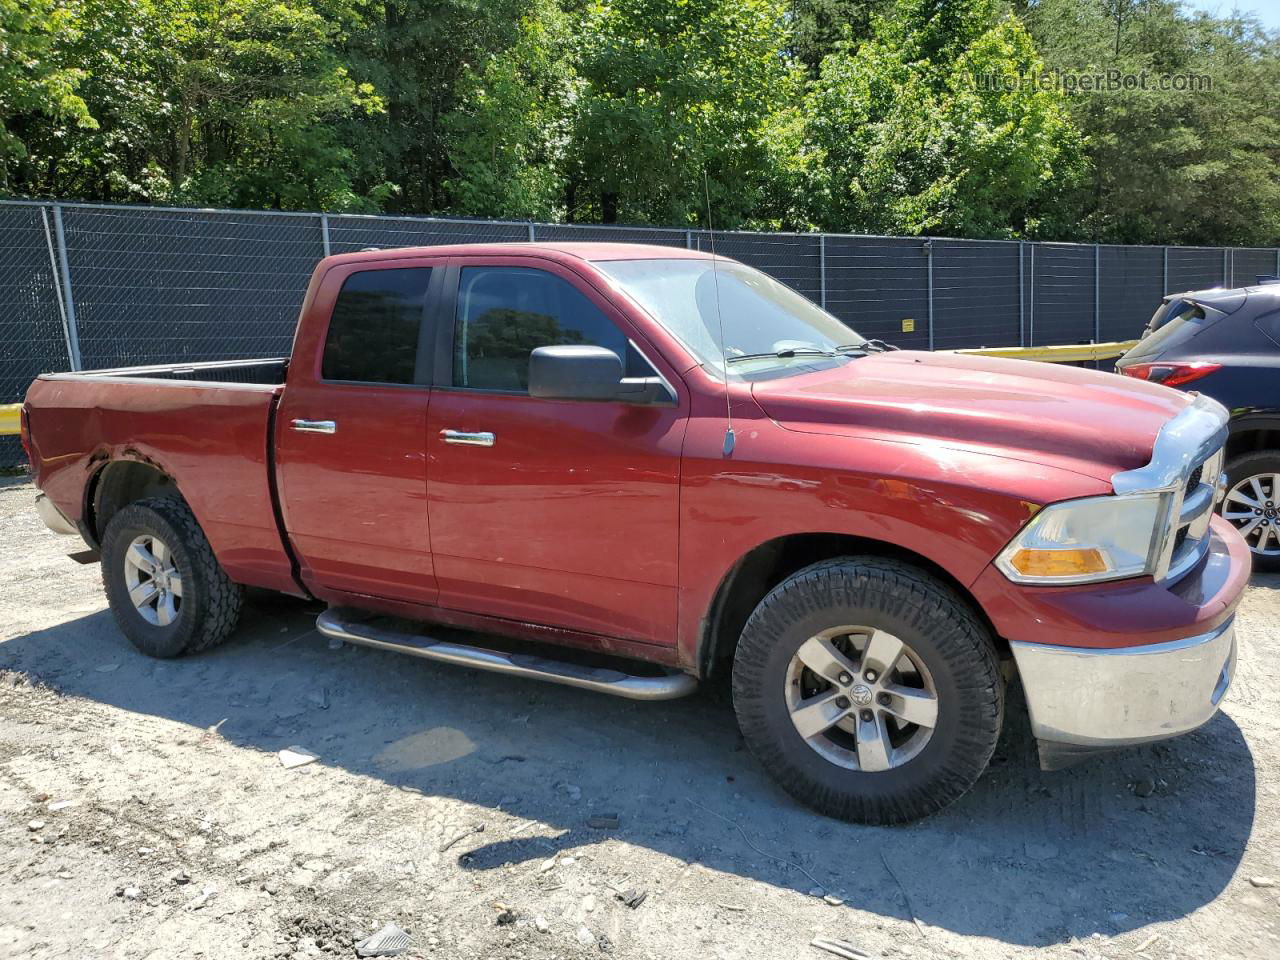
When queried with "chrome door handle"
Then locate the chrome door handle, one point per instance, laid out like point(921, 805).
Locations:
point(315, 426)
point(468, 439)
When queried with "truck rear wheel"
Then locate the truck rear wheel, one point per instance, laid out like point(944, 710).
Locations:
point(166, 589)
point(869, 690)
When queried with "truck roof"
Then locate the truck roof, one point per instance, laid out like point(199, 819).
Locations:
point(582, 250)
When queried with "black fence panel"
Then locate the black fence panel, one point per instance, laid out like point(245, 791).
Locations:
point(348, 234)
point(880, 287)
point(1062, 311)
point(580, 233)
point(1196, 268)
point(795, 259)
point(31, 327)
point(1250, 263)
point(162, 286)
point(975, 294)
point(1130, 286)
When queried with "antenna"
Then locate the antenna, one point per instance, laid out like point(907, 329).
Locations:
point(729, 437)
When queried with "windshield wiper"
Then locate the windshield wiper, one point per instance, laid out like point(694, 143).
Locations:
point(783, 354)
point(867, 346)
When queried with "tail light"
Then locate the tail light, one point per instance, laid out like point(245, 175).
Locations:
point(1171, 374)
point(24, 431)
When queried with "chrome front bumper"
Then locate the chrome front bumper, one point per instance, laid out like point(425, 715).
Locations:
point(1084, 700)
point(53, 518)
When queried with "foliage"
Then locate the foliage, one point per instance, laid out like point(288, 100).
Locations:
point(201, 101)
point(850, 115)
point(676, 91)
point(35, 78)
point(817, 26)
point(508, 142)
point(908, 140)
point(1167, 165)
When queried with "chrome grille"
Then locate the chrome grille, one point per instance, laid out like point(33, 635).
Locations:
point(1186, 462)
point(1190, 514)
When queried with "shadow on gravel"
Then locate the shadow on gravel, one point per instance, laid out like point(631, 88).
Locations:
point(1028, 858)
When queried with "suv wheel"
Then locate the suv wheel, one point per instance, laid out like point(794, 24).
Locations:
point(869, 690)
point(1252, 504)
point(166, 590)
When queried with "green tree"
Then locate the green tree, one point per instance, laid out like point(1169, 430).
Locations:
point(211, 102)
point(509, 139)
point(36, 80)
point(418, 55)
point(674, 90)
point(817, 26)
point(1191, 165)
point(915, 131)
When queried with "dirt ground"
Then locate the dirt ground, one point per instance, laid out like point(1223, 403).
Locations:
point(144, 811)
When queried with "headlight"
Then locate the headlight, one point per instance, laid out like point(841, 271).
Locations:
point(1083, 541)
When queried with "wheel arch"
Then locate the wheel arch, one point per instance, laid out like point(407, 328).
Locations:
point(1253, 433)
point(750, 579)
point(118, 483)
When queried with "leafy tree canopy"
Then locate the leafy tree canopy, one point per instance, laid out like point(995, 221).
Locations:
point(849, 115)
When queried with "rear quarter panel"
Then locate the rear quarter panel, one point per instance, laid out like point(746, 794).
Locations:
point(211, 439)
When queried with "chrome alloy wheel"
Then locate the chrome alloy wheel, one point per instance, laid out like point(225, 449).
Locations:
point(1253, 506)
point(153, 581)
point(861, 698)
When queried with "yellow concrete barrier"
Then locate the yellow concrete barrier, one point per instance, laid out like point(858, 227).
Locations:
point(9, 419)
point(1067, 353)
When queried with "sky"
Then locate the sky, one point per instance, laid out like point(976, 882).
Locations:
point(1268, 11)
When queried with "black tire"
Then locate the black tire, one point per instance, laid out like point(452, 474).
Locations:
point(1264, 462)
point(937, 626)
point(209, 608)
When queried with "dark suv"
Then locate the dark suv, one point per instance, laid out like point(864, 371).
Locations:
point(1226, 344)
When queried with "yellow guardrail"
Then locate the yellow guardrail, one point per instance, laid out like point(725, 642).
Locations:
point(1067, 353)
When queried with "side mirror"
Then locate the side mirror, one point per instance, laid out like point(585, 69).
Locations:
point(582, 372)
point(574, 373)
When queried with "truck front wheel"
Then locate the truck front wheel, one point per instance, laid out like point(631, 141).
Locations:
point(166, 589)
point(869, 690)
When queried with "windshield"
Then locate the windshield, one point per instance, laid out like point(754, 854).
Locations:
point(767, 325)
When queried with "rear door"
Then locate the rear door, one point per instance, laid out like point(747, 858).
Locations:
point(556, 512)
point(351, 433)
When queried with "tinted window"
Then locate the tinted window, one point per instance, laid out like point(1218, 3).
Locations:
point(505, 313)
point(1179, 324)
point(373, 334)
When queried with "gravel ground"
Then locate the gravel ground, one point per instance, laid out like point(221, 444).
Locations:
point(144, 811)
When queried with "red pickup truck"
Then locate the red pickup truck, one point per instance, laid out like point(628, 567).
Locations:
point(626, 468)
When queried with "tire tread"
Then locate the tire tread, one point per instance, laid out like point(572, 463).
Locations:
point(902, 590)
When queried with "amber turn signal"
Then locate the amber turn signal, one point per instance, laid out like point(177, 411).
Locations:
point(1069, 562)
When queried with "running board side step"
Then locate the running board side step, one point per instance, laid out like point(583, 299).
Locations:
point(343, 624)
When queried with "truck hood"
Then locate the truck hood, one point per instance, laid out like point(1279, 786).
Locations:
point(1086, 421)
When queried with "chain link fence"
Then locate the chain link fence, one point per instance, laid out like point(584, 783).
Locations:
point(85, 286)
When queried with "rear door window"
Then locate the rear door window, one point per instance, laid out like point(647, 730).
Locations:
point(375, 327)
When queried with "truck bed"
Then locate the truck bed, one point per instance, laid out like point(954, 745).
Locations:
point(269, 371)
point(209, 425)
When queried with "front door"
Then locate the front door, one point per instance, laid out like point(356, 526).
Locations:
point(351, 429)
point(555, 512)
